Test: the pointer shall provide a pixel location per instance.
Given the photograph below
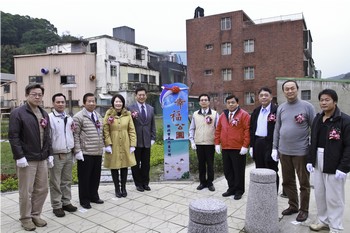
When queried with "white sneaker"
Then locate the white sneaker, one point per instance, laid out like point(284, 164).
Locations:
point(318, 227)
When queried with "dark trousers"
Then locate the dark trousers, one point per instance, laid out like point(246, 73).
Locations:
point(290, 166)
point(89, 174)
point(123, 177)
point(205, 155)
point(234, 170)
point(262, 157)
point(140, 172)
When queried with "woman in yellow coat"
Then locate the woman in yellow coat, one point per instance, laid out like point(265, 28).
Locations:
point(120, 141)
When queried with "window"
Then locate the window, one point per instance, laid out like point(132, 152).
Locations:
point(35, 79)
point(93, 47)
point(69, 79)
point(226, 74)
point(226, 23)
point(140, 54)
point(224, 96)
point(249, 46)
point(144, 78)
point(209, 46)
point(226, 49)
point(133, 77)
point(249, 98)
point(214, 96)
point(249, 72)
point(306, 95)
point(208, 72)
point(152, 79)
point(114, 71)
point(7, 88)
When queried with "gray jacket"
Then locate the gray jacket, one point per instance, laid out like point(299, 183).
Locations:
point(87, 136)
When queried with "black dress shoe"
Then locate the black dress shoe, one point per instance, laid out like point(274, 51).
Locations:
point(237, 196)
point(289, 211)
point(146, 187)
point(201, 186)
point(99, 201)
point(140, 188)
point(227, 194)
point(86, 206)
point(302, 216)
point(211, 188)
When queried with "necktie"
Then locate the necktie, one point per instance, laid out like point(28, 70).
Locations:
point(143, 112)
point(231, 116)
point(93, 118)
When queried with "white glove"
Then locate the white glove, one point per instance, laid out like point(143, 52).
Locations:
point(243, 151)
point(310, 168)
point(152, 142)
point(50, 161)
point(132, 149)
point(218, 149)
point(22, 162)
point(251, 152)
point(339, 175)
point(108, 149)
point(79, 156)
point(193, 146)
point(274, 155)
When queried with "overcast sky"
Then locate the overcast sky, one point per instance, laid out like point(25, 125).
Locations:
point(161, 24)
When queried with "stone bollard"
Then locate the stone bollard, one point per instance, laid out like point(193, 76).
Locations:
point(208, 216)
point(262, 208)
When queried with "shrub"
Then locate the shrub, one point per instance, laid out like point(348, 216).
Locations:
point(10, 184)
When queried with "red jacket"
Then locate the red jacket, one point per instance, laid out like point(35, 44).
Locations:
point(233, 135)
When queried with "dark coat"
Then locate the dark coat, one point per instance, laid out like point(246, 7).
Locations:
point(145, 130)
point(336, 152)
point(24, 134)
point(270, 129)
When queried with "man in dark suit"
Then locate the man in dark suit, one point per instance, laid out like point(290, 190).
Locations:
point(262, 125)
point(143, 116)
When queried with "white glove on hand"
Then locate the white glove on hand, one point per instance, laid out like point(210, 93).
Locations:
point(243, 151)
point(108, 149)
point(79, 156)
point(339, 175)
point(22, 162)
point(152, 142)
point(274, 155)
point(193, 146)
point(310, 168)
point(251, 152)
point(50, 161)
point(132, 149)
point(218, 149)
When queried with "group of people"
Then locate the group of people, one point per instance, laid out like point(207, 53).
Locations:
point(291, 133)
point(46, 145)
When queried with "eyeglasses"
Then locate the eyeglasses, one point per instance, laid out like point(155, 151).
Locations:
point(36, 95)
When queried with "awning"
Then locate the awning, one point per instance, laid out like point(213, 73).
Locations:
point(105, 96)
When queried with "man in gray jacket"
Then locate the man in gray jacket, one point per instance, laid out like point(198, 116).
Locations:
point(29, 136)
point(62, 128)
point(143, 117)
point(88, 149)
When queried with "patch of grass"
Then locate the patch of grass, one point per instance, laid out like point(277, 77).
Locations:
point(8, 165)
point(4, 128)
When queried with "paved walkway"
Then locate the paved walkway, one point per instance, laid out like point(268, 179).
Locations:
point(163, 209)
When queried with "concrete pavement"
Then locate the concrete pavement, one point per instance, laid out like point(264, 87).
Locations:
point(163, 209)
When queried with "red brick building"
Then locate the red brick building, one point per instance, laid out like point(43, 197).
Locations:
point(231, 54)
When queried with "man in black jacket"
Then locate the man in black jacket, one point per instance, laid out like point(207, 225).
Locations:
point(329, 160)
point(262, 125)
point(29, 135)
